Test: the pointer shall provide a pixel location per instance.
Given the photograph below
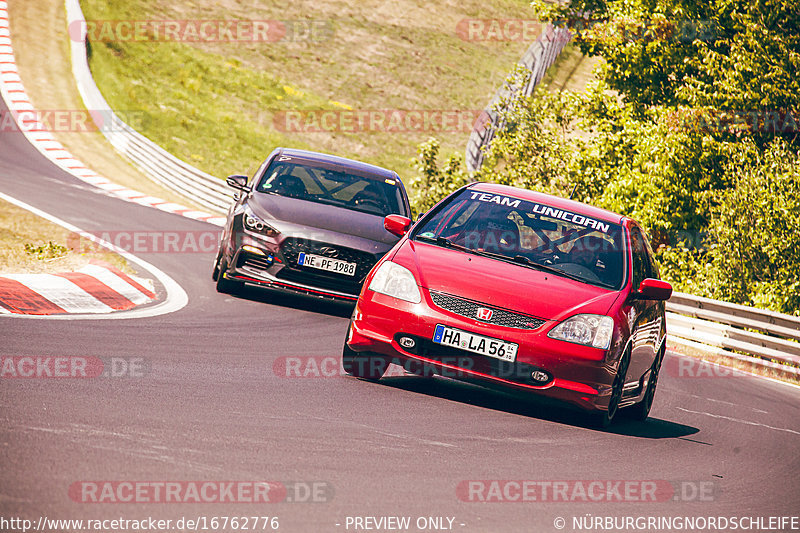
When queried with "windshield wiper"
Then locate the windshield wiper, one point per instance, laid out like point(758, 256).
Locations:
point(546, 268)
point(522, 260)
point(517, 259)
point(444, 242)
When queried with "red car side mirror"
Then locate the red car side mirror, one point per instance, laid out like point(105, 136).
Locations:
point(397, 224)
point(654, 289)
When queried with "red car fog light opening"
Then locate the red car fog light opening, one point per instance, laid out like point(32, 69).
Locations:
point(407, 342)
point(538, 375)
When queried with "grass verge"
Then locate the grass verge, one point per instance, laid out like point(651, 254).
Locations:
point(32, 245)
point(214, 104)
point(572, 71)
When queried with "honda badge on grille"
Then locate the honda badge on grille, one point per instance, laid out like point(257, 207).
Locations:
point(484, 314)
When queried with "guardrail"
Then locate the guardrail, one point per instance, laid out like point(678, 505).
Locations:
point(155, 162)
point(752, 336)
point(536, 60)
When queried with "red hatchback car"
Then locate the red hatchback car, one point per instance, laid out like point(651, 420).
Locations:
point(507, 287)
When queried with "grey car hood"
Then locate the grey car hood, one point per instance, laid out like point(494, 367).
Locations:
point(322, 222)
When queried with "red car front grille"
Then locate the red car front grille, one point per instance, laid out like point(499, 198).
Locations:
point(470, 309)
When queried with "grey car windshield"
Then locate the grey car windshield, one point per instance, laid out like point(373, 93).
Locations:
point(323, 185)
point(530, 234)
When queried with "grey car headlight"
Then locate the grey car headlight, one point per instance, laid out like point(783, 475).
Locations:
point(256, 225)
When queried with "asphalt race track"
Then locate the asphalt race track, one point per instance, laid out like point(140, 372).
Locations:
point(211, 407)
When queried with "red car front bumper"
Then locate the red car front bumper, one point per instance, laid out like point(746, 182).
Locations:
point(579, 375)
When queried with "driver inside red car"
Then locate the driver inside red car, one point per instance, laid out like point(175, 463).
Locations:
point(585, 251)
point(490, 230)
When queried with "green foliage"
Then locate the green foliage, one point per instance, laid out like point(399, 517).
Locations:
point(45, 252)
point(660, 138)
point(684, 267)
point(753, 252)
point(723, 54)
point(689, 150)
point(530, 151)
point(755, 230)
point(432, 183)
point(639, 164)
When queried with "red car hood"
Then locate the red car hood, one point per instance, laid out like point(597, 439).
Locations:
point(502, 284)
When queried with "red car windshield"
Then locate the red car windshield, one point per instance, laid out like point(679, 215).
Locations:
point(530, 234)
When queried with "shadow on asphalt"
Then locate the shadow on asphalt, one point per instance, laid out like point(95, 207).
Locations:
point(533, 407)
point(293, 301)
point(448, 389)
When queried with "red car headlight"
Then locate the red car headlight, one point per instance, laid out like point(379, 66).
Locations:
point(397, 281)
point(586, 329)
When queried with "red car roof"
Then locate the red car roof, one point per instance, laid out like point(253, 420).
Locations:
point(550, 200)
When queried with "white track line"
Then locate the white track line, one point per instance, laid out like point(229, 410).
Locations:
point(175, 300)
point(739, 420)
